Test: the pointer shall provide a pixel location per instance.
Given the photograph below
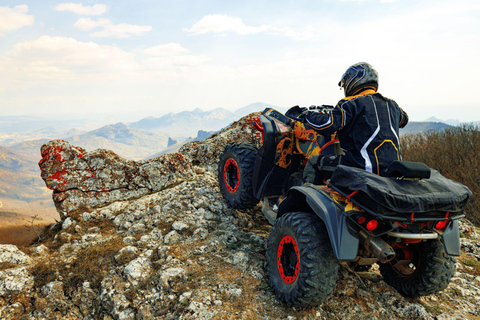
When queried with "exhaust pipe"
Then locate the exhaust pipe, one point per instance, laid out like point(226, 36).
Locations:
point(376, 246)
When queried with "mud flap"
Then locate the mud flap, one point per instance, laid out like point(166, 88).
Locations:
point(343, 236)
point(451, 239)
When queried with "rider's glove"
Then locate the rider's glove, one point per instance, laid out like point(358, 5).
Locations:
point(296, 112)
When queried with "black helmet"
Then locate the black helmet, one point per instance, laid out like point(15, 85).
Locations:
point(358, 77)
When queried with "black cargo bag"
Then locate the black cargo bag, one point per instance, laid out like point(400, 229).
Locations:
point(388, 196)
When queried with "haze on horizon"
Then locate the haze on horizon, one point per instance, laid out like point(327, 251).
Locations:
point(59, 58)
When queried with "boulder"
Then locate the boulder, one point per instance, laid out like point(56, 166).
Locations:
point(81, 179)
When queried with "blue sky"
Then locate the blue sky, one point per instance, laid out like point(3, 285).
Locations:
point(168, 56)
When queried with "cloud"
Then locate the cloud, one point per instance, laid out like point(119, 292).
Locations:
point(85, 75)
point(165, 50)
point(172, 59)
point(49, 57)
point(222, 23)
point(309, 33)
point(122, 30)
point(78, 8)
point(66, 60)
point(13, 19)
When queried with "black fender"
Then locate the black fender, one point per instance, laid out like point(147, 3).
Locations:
point(342, 232)
point(451, 239)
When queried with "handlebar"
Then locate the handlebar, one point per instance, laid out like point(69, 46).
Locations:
point(299, 113)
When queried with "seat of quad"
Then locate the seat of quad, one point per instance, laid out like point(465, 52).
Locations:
point(391, 196)
point(409, 170)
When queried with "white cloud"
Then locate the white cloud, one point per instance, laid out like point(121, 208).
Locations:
point(66, 60)
point(173, 60)
point(87, 24)
point(78, 8)
point(122, 30)
point(309, 33)
point(13, 19)
point(49, 57)
point(222, 23)
point(169, 49)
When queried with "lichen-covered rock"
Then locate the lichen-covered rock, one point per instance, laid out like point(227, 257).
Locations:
point(10, 254)
point(82, 179)
point(172, 274)
point(140, 268)
point(14, 281)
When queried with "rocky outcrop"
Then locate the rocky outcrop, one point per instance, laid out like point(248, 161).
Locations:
point(87, 180)
point(181, 253)
point(82, 179)
point(206, 152)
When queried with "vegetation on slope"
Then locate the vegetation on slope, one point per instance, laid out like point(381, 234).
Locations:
point(454, 152)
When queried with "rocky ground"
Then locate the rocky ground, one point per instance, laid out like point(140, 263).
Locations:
point(155, 240)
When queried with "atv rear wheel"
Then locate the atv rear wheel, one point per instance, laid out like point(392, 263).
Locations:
point(428, 269)
point(235, 175)
point(301, 265)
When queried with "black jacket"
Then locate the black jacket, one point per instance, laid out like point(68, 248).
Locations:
point(367, 125)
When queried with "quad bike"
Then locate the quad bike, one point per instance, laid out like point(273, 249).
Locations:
point(406, 221)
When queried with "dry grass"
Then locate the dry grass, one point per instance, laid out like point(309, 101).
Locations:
point(455, 153)
point(19, 235)
point(90, 264)
point(45, 271)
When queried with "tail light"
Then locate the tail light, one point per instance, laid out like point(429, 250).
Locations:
point(441, 224)
point(372, 225)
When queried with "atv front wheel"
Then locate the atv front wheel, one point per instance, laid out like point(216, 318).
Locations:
point(301, 265)
point(235, 175)
point(425, 269)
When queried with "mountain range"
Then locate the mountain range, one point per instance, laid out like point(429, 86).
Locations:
point(187, 123)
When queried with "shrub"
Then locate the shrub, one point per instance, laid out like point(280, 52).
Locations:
point(454, 152)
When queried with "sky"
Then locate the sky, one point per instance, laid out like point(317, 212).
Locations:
point(160, 56)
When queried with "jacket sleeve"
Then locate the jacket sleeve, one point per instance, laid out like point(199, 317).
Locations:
point(403, 119)
point(328, 123)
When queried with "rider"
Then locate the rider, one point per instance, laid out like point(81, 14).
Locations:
point(365, 122)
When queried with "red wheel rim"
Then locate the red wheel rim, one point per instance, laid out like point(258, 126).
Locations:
point(231, 175)
point(288, 259)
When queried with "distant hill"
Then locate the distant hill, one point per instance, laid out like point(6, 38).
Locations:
point(125, 141)
point(201, 135)
point(187, 123)
point(22, 190)
point(414, 127)
point(47, 133)
point(20, 175)
point(451, 122)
